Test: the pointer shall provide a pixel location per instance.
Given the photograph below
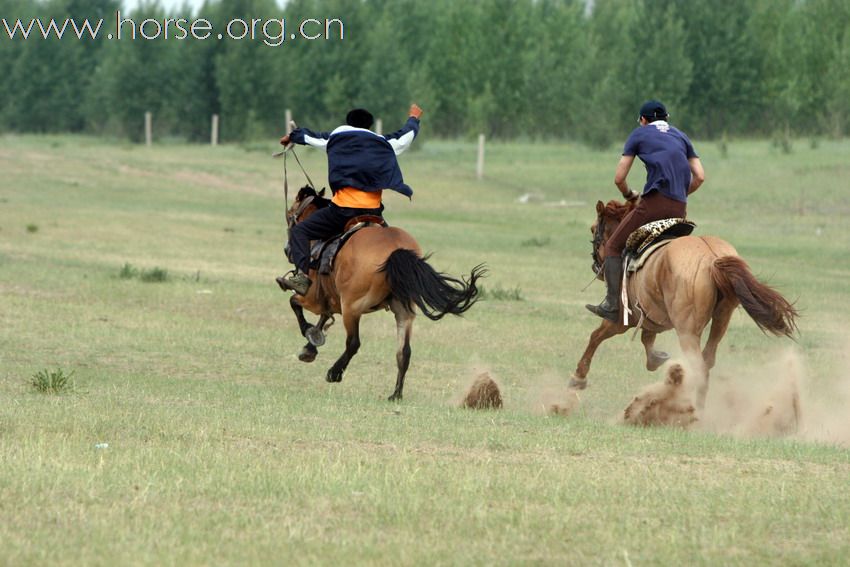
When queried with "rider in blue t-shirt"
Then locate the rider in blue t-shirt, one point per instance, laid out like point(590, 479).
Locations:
point(673, 171)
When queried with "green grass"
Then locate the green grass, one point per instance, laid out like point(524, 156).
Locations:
point(52, 381)
point(224, 449)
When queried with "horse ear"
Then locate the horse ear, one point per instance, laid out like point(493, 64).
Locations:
point(600, 206)
point(322, 192)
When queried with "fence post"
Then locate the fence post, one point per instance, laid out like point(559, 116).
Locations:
point(479, 169)
point(379, 126)
point(214, 132)
point(288, 121)
point(148, 128)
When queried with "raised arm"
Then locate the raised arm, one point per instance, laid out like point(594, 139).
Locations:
point(402, 139)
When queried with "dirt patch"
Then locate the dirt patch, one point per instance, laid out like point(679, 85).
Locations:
point(664, 403)
point(483, 394)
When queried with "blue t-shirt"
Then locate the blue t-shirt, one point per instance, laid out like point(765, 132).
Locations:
point(665, 151)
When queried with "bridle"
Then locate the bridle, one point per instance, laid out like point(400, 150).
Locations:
point(292, 216)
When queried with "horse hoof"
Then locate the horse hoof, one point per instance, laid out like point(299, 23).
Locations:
point(307, 354)
point(315, 336)
point(656, 359)
point(394, 398)
point(334, 376)
point(577, 383)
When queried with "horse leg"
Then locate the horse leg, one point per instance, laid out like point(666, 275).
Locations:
point(404, 325)
point(308, 352)
point(691, 349)
point(351, 321)
point(719, 325)
point(654, 358)
point(605, 331)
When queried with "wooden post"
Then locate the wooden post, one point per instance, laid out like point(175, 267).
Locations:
point(379, 126)
point(214, 132)
point(288, 121)
point(479, 169)
point(148, 129)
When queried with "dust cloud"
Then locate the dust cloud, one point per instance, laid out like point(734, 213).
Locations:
point(778, 400)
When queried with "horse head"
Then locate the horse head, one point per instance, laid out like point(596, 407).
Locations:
point(608, 216)
point(306, 203)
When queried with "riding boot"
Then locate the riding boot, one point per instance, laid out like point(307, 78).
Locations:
point(297, 282)
point(613, 272)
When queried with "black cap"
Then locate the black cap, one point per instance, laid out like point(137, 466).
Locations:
point(360, 118)
point(653, 110)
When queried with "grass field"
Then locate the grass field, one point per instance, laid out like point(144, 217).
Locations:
point(224, 449)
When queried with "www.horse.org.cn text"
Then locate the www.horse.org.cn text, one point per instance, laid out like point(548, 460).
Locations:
point(272, 32)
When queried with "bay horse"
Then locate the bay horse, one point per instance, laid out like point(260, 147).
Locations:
point(377, 268)
point(688, 283)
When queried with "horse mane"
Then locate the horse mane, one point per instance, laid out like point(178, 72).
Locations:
point(617, 210)
point(310, 191)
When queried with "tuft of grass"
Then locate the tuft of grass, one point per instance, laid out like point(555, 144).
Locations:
point(154, 275)
point(499, 293)
point(536, 242)
point(128, 271)
point(32, 228)
point(52, 381)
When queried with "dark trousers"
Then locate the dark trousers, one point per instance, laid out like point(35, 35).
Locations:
point(652, 207)
point(321, 225)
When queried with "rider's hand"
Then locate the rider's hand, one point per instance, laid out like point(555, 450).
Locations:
point(285, 140)
point(631, 196)
point(415, 111)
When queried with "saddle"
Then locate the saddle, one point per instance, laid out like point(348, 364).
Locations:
point(324, 252)
point(652, 236)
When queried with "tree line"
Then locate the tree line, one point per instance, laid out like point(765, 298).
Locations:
point(533, 69)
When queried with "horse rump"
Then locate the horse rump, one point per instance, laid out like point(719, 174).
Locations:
point(766, 306)
point(413, 281)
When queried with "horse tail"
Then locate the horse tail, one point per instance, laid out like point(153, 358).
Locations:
point(413, 280)
point(771, 312)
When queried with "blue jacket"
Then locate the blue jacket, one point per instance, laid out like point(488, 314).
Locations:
point(361, 158)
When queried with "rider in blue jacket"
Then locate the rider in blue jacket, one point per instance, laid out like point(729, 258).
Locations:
point(361, 164)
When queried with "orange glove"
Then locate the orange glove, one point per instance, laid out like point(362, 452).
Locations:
point(415, 111)
point(285, 140)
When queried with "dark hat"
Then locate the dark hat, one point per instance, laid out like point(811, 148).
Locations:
point(360, 118)
point(653, 110)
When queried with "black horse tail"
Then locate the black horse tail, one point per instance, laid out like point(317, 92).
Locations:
point(771, 312)
point(413, 280)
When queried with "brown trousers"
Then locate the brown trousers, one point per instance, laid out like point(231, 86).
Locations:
point(651, 207)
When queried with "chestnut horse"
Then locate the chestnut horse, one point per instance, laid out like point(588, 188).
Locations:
point(688, 283)
point(377, 268)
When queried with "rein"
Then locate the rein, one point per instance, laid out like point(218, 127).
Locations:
point(291, 219)
point(598, 236)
